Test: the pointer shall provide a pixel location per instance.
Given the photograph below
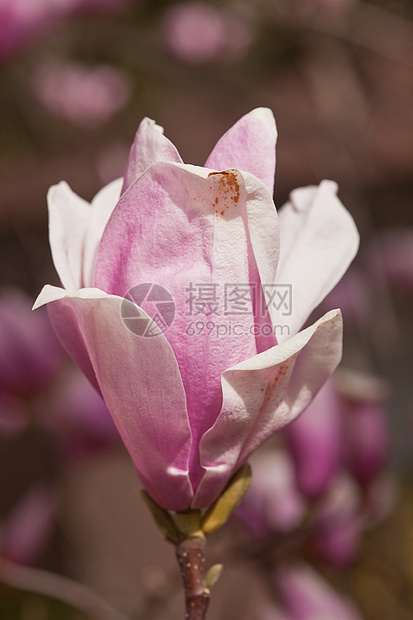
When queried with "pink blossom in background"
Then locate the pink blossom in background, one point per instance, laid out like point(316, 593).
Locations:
point(85, 96)
point(380, 498)
point(38, 387)
point(343, 428)
point(26, 530)
point(305, 595)
point(22, 21)
point(330, 473)
point(339, 523)
point(77, 418)
point(353, 296)
point(192, 406)
point(196, 33)
point(274, 506)
point(30, 354)
point(390, 258)
point(314, 441)
point(39, 392)
point(366, 432)
point(272, 503)
point(13, 414)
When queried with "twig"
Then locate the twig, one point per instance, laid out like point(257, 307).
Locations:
point(59, 588)
point(191, 557)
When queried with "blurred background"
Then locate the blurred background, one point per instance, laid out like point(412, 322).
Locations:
point(76, 78)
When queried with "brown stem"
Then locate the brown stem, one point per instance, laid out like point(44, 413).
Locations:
point(191, 558)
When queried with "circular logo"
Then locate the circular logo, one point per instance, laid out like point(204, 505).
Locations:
point(157, 303)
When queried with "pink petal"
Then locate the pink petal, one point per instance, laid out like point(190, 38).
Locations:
point(179, 230)
point(318, 242)
point(149, 147)
point(75, 231)
point(71, 335)
point(100, 211)
point(140, 382)
point(315, 442)
point(68, 221)
point(263, 394)
point(249, 146)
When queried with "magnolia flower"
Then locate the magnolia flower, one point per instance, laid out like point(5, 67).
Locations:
point(193, 396)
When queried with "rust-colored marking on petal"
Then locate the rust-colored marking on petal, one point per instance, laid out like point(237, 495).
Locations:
point(228, 189)
point(221, 194)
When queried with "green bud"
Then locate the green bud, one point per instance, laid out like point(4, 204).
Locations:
point(219, 512)
point(162, 519)
point(213, 574)
point(188, 523)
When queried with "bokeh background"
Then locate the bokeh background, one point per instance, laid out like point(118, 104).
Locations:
point(76, 78)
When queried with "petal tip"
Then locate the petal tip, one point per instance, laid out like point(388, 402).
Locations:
point(149, 123)
point(57, 192)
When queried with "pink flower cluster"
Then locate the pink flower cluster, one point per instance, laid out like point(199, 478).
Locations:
point(334, 460)
point(316, 494)
point(40, 393)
